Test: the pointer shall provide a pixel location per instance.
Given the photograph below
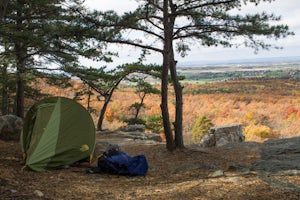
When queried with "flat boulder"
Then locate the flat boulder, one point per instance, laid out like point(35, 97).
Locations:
point(279, 156)
point(134, 128)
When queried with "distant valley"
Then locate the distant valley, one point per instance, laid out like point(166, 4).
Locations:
point(287, 67)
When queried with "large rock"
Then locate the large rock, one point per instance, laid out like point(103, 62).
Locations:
point(10, 127)
point(221, 135)
point(279, 156)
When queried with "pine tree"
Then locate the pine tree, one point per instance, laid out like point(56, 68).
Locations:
point(175, 25)
point(42, 36)
point(143, 89)
point(104, 82)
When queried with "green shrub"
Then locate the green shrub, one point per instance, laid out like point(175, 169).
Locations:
point(132, 121)
point(154, 123)
point(260, 131)
point(200, 128)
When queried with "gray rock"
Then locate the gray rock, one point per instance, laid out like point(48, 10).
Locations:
point(13, 190)
point(153, 136)
point(208, 140)
point(10, 127)
point(278, 156)
point(215, 174)
point(133, 135)
point(38, 193)
point(134, 127)
point(237, 169)
point(222, 135)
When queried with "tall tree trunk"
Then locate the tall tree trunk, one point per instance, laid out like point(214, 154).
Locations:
point(140, 106)
point(20, 82)
point(175, 81)
point(4, 91)
point(3, 6)
point(164, 107)
point(102, 112)
point(89, 99)
point(20, 55)
point(164, 81)
point(4, 103)
point(20, 96)
point(179, 106)
point(21, 64)
point(106, 101)
point(176, 84)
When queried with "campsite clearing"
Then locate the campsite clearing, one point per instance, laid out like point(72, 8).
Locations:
point(194, 173)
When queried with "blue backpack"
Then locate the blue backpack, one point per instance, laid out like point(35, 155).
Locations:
point(121, 164)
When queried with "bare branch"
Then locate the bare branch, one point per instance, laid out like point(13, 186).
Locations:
point(136, 45)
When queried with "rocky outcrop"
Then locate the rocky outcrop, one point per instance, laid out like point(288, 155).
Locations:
point(279, 156)
point(221, 135)
point(122, 138)
point(133, 128)
point(135, 133)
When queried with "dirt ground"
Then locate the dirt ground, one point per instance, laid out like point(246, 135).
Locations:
point(192, 173)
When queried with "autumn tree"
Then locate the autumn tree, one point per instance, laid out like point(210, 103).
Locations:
point(99, 80)
point(167, 26)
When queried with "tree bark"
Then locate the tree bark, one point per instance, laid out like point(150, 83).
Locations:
point(20, 82)
point(3, 6)
point(107, 99)
point(179, 106)
point(176, 84)
point(4, 92)
point(164, 108)
point(89, 99)
point(20, 97)
point(21, 64)
point(140, 106)
point(164, 80)
point(102, 112)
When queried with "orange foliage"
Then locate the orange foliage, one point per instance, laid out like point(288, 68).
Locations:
point(290, 110)
point(272, 103)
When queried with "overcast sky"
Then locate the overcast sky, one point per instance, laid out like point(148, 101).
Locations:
point(289, 10)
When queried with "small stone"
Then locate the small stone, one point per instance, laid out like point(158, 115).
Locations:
point(215, 174)
point(38, 193)
point(13, 191)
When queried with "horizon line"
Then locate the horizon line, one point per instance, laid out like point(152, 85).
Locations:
point(241, 61)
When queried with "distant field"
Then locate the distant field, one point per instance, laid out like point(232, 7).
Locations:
point(212, 73)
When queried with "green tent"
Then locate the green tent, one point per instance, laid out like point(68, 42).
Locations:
point(57, 131)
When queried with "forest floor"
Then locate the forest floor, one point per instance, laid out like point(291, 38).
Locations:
point(236, 171)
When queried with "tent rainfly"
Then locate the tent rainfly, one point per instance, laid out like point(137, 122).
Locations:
point(57, 131)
